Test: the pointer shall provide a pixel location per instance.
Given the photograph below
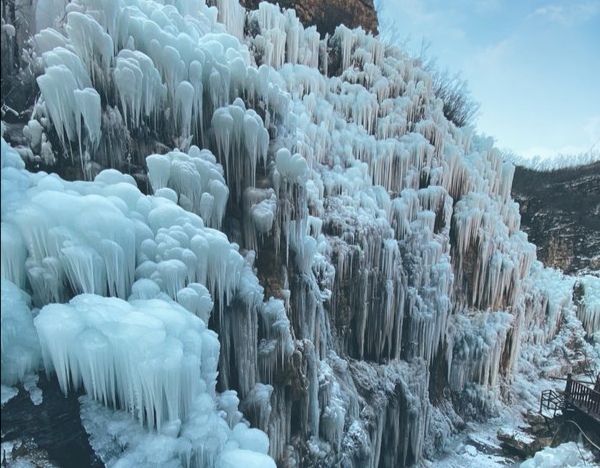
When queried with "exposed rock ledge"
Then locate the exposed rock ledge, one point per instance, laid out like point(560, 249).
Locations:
point(327, 15)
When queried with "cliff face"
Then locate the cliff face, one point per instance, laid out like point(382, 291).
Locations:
point(326, 15)
point(560, 212)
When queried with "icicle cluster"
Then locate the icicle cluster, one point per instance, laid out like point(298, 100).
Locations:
point(148, 356)
point(148, 59)
point(588, 309)
point(242, 143)
point(197, 180)
point(547, 296)
point(281, 38)
point(476, 351)
point(70, 99)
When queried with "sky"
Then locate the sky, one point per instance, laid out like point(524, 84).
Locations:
point(533, 65)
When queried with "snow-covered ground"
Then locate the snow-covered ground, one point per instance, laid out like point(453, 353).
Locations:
point(479, 447)
point(567, 454)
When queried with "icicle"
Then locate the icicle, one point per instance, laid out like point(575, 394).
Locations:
point(345, 37)
point(184, 102)
point(14, 254)
point(589, 305)
point(21, 353)
point(90, 41)
point(88, 105)
point(232, 14)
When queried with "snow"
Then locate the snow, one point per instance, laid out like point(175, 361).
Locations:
point(567, 454)
point(479, 447)
point(9, 30)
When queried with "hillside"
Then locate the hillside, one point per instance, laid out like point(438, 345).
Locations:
point(560, 212)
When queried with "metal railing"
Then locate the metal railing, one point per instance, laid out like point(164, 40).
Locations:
point(583, 397)
point(552, 401)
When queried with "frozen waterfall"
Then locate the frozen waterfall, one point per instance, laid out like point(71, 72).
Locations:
point(322, 258)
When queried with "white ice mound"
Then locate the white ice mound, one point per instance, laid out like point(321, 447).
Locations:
point(64, 238)
point(155, 360)
point(246, 458)
point(149, 357)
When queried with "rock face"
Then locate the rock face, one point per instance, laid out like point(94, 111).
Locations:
point(560, 212)
point(327, 15)
point(54, 426)
point(518, 442)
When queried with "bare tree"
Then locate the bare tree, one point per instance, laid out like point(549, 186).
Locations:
point(459, 105)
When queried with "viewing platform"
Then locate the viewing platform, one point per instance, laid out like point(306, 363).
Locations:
point(578, 398)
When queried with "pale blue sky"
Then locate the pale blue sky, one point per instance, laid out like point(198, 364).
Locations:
point(534, 65)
